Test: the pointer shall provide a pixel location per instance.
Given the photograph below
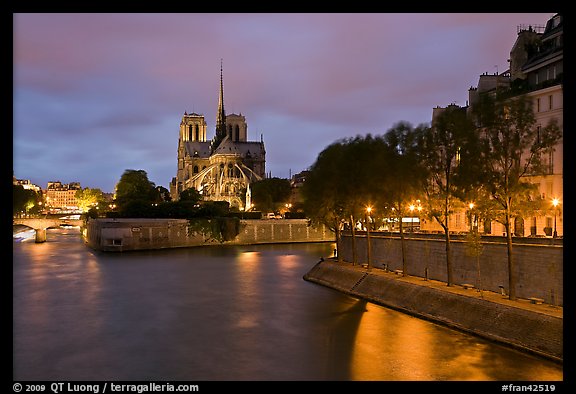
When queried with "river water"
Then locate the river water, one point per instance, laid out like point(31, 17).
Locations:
point(239, 313)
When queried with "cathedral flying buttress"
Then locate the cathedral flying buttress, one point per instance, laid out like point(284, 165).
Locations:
point(223, 168)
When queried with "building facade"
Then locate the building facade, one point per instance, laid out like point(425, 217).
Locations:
point(61, 197)
point(223, 168)
point(536, 71)
point(26, 184)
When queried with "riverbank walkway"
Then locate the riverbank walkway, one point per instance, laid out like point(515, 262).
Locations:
point(527, 304)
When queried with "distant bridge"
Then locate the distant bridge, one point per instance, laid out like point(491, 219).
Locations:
point(41, 224)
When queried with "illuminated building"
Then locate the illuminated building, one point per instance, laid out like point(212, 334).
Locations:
point(536, 71)
point(62, 196)
point(221, 169)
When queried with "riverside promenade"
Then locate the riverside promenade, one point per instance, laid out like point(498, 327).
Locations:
point(525, 324)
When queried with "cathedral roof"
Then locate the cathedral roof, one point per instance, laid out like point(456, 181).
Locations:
point(227, 146)
point(197, 148)
point(202, 149)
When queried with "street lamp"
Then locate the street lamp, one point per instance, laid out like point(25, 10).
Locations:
point(555, 203)
point(412, 207)
point(471, 206)
point(368, 248)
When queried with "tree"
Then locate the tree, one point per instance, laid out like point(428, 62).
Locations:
point(135, 186)
point(513, 146)
point(406, 174)
point(348, 177)
point(363, 180)
point(24, 200)
point(444, 151)
point(88, 198)
point(163, 193)
point(323, 201)
point(190, 194)
point(270, 193)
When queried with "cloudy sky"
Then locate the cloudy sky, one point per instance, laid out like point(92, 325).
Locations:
point(96, 94)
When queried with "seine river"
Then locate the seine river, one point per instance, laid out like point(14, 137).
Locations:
point(225, 313)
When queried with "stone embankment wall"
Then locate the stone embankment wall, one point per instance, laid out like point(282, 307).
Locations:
point(530, 331)
point(539, 267)
point(118, 235)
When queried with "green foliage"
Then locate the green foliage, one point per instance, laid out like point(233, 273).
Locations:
point(135, 186)
point(190, 194)
point(88, 198)
point(163, 193)
point(217, 229)
point(136, 209)
point(271, 193)
point(210, 209)
point(513, 147)
point(324, 199)
point(92, 213)
point(25, 200)
point(449, 153)
point(473, 244)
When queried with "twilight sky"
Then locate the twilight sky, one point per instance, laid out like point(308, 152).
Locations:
point(96, 94)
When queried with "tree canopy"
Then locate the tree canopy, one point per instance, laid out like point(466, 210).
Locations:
point(88, 198)
point(270, 194)
point(135, 186)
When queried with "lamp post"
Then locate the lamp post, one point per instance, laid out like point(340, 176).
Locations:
point(471, 206)
point(555, 203)
point(412, 207)
point(368, 248)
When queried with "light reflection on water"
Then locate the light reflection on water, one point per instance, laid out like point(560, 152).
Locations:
point(224, 313)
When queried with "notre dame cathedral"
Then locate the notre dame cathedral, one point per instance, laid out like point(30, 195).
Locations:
point(221, 169)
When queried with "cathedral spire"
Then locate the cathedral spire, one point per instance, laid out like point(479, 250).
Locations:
point(221, 115)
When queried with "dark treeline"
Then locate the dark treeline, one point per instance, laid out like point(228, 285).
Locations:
point(483, 155)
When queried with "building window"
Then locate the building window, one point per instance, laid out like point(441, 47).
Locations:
point(237, 133)
point(195, 170)
point(550, 102)
point(230, 131)
point(189, 133)
point(549, 188)
point(197, 133)
point(538, 105)
point(551, 162)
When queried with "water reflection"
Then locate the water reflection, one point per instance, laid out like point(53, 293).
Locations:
point(224, 313)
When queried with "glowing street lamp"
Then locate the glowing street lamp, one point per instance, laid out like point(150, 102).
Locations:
point(471, 206)
point(368, 248)
point(555, 203)
point(412, 207)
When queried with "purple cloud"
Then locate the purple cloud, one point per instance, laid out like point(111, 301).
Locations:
point(108, 90)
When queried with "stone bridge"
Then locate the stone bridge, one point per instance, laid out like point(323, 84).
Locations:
point(41, 224)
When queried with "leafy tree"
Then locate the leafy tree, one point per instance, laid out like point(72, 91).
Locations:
point(324, 203)
point(513, 148)
point(135, 186)
point(442, 149)
point(88, 198)
point(405, 172)
point(163, 193)
point(24, 200)
point(348, 177)
point(367, 175)
point(190, 194)
point(271, 193)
